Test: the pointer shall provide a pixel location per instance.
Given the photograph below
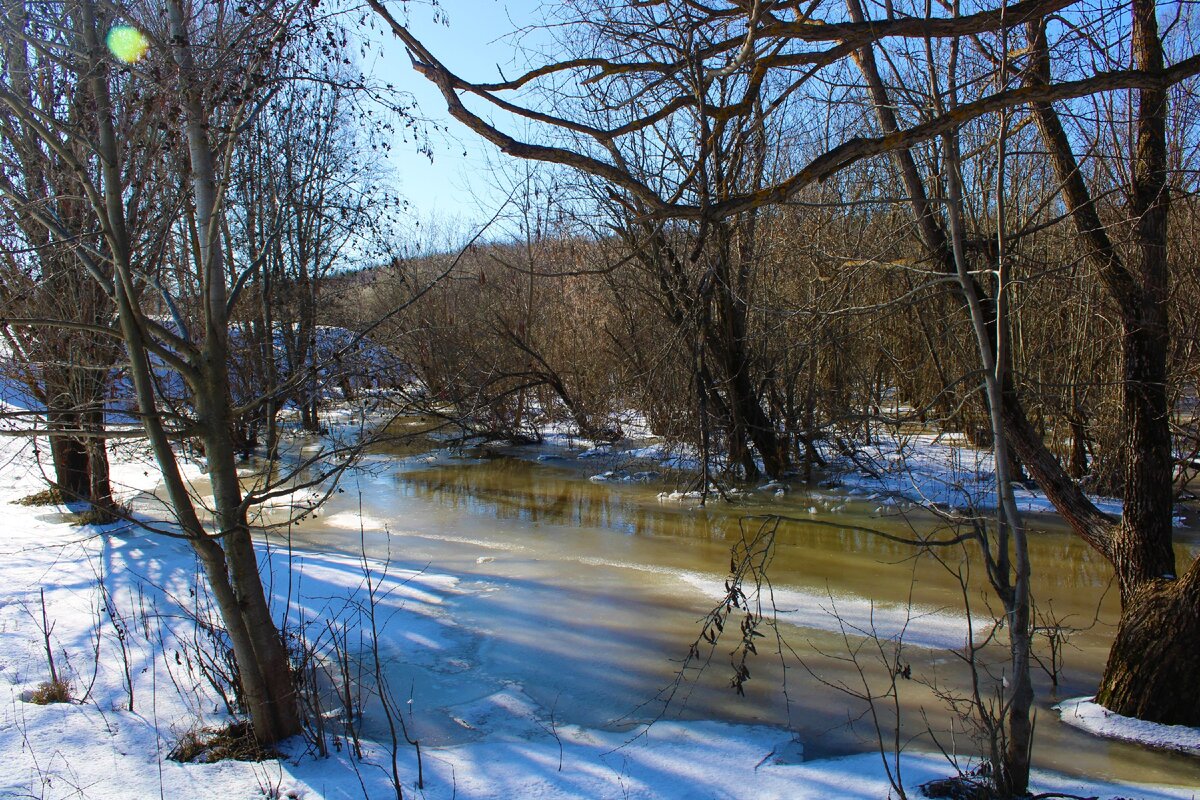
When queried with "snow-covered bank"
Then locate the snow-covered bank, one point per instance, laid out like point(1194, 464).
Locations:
point(1083, 713)
point(894, 470)
point(943, 470)
point(97, 748)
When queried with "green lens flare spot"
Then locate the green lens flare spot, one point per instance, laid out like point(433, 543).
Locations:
point(127, 43)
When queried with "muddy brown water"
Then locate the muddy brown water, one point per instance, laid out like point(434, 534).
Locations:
point(588, 596)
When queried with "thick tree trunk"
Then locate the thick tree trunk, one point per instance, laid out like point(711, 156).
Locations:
point(748, 421)
point(263, 665)
point(100, 488)
point(1154, 662)
point(1152, 668)
point(1142, 549)
point(80, 457)
point(93, 388)
point(760, 428)
point(309, 420)
point(104, 508)
point(70, 456)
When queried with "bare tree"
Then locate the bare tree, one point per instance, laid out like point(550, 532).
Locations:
point(1146, 675)
point(67, 367)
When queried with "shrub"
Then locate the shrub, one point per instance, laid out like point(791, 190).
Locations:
point(46, 497)
point(47, 692)
point(232, 742)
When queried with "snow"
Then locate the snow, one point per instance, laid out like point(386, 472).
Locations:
point(350, 521)
point(621, 476)
point(604, 451)
point(678, 458)
point(1083, 713)
point(940, 470)
point(97, 748)
point(909, 469)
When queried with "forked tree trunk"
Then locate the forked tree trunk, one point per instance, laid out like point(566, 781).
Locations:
point(81, 461)
point(727, 339)
point(1152, 667)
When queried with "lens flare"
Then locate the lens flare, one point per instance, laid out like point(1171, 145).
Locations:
point(127, 43)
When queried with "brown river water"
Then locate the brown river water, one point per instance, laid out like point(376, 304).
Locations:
point(588, 596)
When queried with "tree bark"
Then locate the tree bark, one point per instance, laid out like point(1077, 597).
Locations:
point(70, 456)
point(1152, 667)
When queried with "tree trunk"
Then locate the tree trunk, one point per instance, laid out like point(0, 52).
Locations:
point(79, 454)
point(727, 337)
point(262, 659)
point(1154, 662)
point(70, 456)
point(271, 718)
point(93, 388)
point(264, 667)
point(100, 488)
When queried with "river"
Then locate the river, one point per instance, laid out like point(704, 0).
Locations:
point(587, 596)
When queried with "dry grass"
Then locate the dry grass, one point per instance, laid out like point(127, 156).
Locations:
point(961, 787)
point(233, 742)
point(48, 692)
point(97, 516)
point(46, 497)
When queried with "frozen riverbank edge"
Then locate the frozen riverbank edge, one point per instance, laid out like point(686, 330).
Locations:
point(894, 470)
point(1087, 715)
point(94, 748)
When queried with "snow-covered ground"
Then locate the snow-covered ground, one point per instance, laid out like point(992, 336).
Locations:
point(894, 470)
point(933, 469)
point(118, 605)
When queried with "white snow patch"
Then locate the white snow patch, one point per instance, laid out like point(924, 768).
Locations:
point(915, 626)
point(351, 521)
point(937, 469)
point(1084, 713)
point(300, 500)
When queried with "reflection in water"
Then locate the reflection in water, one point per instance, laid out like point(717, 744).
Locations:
point(518, 491)
point(588, 595)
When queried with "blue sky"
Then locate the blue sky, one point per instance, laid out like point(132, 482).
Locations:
point(454, 186)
